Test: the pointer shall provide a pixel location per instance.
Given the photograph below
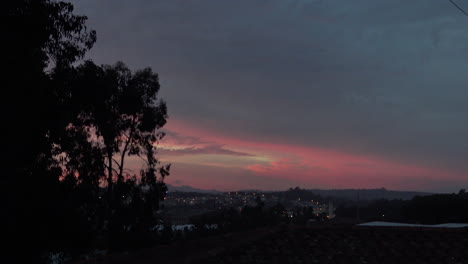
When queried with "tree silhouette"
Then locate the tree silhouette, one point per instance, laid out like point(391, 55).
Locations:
point(124, 112)
point(122, 119)
point(37, 37)
point(68, 131)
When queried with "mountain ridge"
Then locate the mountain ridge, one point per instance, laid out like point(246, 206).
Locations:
point(352, 194)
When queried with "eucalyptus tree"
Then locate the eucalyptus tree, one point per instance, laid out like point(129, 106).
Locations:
point(39, 37)
point(122, 114)
point(69, 130)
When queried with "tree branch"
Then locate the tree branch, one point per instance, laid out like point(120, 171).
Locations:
point(124, 151)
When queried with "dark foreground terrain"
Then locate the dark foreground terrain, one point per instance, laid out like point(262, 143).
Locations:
point(312, 244)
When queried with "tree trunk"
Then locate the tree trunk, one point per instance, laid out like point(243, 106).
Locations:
point(109, 174)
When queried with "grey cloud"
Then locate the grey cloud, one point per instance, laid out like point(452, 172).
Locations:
point(211, 149)
point(172, 137)
point(375, 77)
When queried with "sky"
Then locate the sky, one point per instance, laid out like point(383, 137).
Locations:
point(272, 94)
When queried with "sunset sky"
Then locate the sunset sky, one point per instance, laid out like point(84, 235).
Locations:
point(272, 94)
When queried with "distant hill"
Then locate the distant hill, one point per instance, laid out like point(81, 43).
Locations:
point(368, 194)
point(349, 194)
point(185, 188)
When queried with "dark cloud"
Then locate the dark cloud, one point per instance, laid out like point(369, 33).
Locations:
point(375, 77)
point(196, 146)
point(178, 182)
point(206, 150)
point(175, 138)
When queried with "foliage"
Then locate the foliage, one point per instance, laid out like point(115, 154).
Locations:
point(36, 36)
point(438, 209)
point(69, 129)
point(232, 220)
point(121, 119)
point(430, 209)
point(297, 193)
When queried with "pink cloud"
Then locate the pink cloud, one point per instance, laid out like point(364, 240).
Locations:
point(311, 166)
point(210, 149)
point(285, 166)
point(175, 138)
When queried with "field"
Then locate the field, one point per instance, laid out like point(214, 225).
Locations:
point(312, 244)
